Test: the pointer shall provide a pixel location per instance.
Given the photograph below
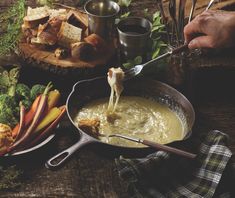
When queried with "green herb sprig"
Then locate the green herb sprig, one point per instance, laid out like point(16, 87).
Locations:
point(11, 21)
point(158, 29)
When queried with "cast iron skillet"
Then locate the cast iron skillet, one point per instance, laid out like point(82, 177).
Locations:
point(87, 90)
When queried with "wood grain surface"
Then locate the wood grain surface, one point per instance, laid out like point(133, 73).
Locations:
point(91, 173)
point(40, 56)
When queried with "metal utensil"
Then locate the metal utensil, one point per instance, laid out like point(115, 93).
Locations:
point(192, 10)
point(172, 12)
point(138, 68)
point(181, 16)
point(210, 4)
point(155, 145)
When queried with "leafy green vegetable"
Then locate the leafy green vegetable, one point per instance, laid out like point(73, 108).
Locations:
point(7, 117)
point(156, 35)
point(11, 21)
point(26, 103)
point(8, 81)
point(7, 101)
point(7, 110)
point(22, 91)
point(36, 90)
point(23, 95)
point(12, 94)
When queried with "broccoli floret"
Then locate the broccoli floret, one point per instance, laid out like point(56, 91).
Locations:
point(7, 101)
point(26, 103)
point(7, 117)
point(8, 110)
point(22, 92)
point(3, 90)
point(36, 90)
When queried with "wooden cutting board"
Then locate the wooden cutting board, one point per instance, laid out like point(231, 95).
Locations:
point(29, 51)
point(43, 56)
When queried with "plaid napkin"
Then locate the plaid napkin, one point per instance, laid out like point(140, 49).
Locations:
point(164, 175)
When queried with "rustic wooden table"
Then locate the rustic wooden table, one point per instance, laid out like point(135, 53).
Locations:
point(92, 173)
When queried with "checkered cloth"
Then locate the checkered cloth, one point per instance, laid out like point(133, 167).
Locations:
point(164, 175)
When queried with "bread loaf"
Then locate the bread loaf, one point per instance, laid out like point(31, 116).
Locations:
point(47, 33)
point(97, 42)
point(36, 16)
point(82, 51)
point(69, 34)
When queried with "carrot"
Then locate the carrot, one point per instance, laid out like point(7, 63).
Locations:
point(38, 115)
point(22, 123)
point(53, 98)
point(48, 119)
point(48, 131)
point(28, 117)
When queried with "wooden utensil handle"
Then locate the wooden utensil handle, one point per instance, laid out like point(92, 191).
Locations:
point(169, 149)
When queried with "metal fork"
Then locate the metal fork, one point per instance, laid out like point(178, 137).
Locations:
point(210, 4)
point(155, 145)
point(192, 10)
point(138, 68)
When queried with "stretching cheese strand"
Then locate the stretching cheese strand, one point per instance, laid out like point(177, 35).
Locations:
point(115, 78)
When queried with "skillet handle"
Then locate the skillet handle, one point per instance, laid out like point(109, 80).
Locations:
point(58, 160)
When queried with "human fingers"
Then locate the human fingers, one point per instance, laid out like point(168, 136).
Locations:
point(191, 30)
point(201, 42)
point(198, 26)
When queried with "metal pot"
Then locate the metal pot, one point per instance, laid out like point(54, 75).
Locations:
point(87, 90)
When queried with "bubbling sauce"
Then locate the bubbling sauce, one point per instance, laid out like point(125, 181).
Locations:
point(137, 117)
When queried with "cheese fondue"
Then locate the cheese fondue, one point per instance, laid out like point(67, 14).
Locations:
point(135, 117)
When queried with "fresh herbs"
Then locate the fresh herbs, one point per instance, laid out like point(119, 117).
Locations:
point(11, 21)
point(9, 178)
point(158, 29)
point(131, 63)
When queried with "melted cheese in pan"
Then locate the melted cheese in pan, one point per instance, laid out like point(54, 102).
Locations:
point(135, 117)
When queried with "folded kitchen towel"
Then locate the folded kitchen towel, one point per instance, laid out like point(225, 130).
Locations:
point(163, 175)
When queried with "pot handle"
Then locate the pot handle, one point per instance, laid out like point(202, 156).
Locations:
point(59, 159)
